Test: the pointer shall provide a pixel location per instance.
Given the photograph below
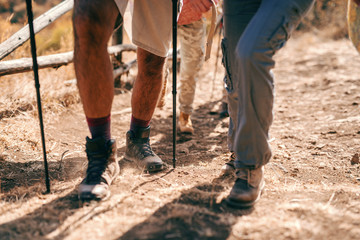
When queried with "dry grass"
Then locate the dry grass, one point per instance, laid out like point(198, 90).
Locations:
point(311, 190)
point(18, 99)
point(18, 89)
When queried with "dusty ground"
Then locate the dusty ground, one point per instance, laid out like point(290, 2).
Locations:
point(312, 188)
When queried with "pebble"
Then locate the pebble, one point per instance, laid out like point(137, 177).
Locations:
point(355, 159)
point(322, 165)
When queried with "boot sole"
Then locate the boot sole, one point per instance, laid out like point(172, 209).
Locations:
point(244, 205)
point(151, 168)
point(235, 204)
point(88, 196)
point(186, 130)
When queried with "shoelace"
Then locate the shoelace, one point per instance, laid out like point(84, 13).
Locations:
point(96, 166)
point(146, 149)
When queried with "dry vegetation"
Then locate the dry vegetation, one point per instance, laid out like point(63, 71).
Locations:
point(327, 14)
point(313, 180)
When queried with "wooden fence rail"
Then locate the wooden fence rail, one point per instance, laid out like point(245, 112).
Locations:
point(21, 36)
point(55, 60)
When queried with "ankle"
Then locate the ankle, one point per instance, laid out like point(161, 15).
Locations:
point(100, 127)
point(140, 132)
point(138, 124)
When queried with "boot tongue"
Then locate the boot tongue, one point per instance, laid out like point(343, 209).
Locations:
point(185, 116)
point(95, 145)
point(242, 173)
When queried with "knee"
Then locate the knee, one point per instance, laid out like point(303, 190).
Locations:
point(255, 56)
point(245, 54)
point(90, 23)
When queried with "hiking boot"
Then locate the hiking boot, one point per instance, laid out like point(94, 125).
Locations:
point(139, 151)
point(224, 113)
point(185, 123)
point(247, 188)
point(102, 169)
point(229, 167)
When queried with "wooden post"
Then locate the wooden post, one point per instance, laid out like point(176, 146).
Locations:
point(117, 39)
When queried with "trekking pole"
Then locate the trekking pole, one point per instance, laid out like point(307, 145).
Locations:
point(37, 87)
point(174, 26)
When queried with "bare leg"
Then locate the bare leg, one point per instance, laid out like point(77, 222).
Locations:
point(148, 84)
point(144, 99)
point(93, 25)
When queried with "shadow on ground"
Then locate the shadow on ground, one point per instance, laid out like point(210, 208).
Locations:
point(20, 177)
point(199, 213)
point(208, 142)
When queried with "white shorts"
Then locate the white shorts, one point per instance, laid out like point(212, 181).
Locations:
point(151, 26)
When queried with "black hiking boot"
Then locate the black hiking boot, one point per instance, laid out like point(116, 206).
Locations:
point(247, 188)
point(103, 168)
point(139, 151)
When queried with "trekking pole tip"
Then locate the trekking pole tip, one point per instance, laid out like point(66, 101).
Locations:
point(174, 162)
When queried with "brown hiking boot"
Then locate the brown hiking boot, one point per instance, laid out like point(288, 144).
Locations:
point(247, 188)
point(224, 113)
point(102, 169)
point(139, 151)
point(229, 167)
point(185, 123)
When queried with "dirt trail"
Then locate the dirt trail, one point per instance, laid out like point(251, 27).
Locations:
point(312, 189)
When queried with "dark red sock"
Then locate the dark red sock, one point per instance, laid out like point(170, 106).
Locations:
point(138, 123)
point(99, 127)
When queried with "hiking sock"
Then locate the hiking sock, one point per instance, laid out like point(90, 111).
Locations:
point(138, 123)
point(99, 127)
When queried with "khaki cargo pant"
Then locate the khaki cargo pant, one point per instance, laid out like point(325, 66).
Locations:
point(151, 25)
point(192, 49)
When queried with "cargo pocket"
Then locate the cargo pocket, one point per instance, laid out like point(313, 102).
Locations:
point(282, 33)
point(226, 63)
point(279, 37)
